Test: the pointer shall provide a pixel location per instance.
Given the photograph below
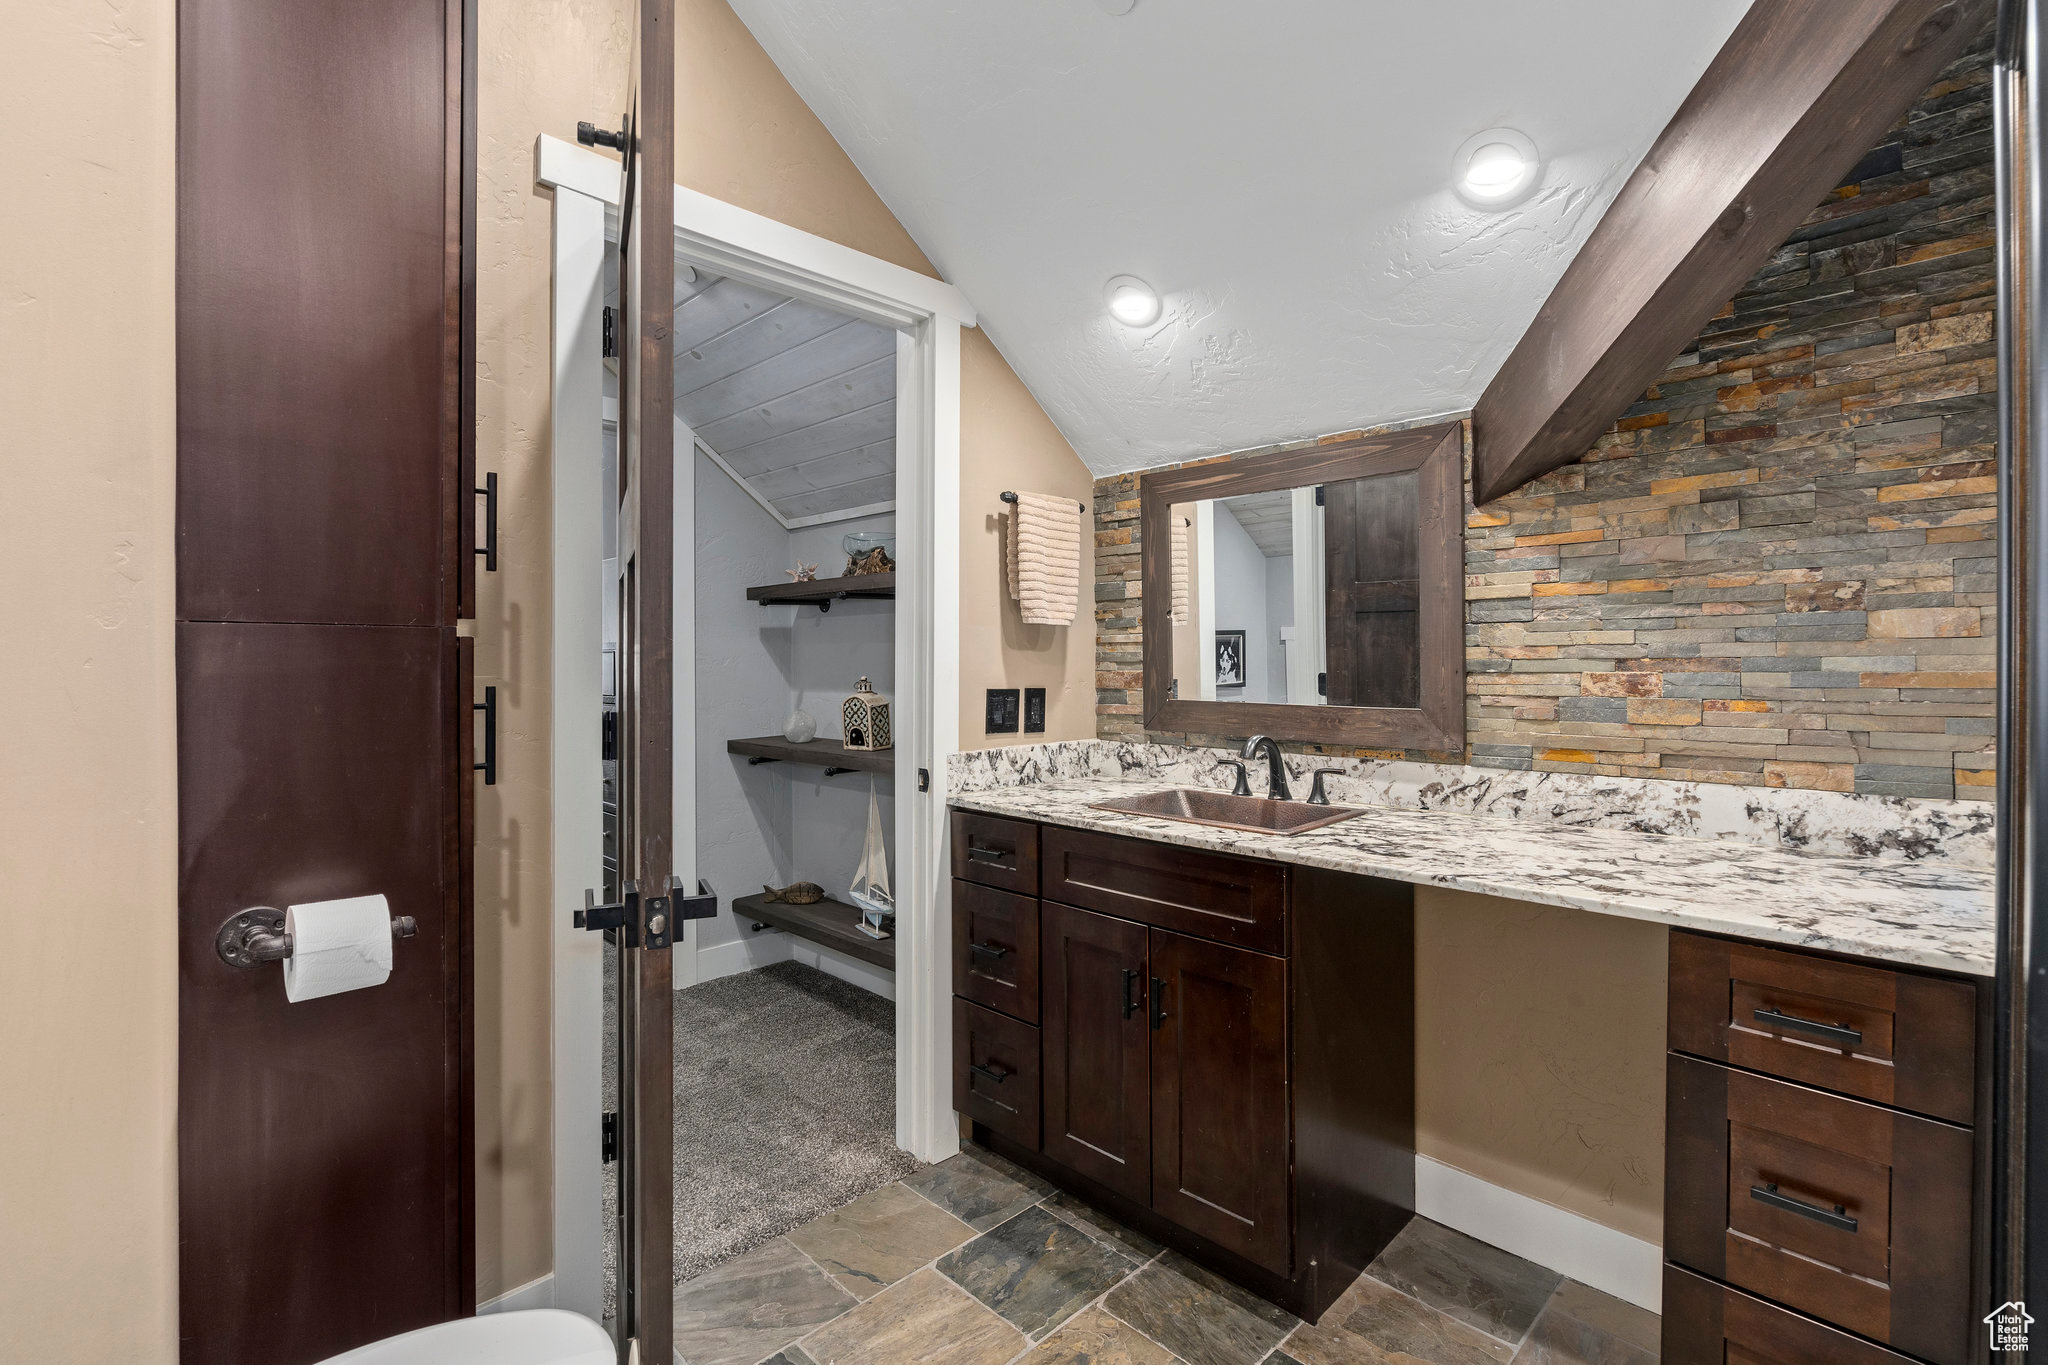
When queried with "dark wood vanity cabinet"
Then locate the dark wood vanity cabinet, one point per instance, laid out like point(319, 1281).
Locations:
point(1821, 1156)
point(1224, 1047)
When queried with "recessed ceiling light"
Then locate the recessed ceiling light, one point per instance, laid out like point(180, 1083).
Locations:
point(1495, 168)
point(1131, 301)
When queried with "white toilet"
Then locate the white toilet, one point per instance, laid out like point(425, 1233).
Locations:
point(534, 1336)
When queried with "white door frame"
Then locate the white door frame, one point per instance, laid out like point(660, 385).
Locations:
point(927, 315)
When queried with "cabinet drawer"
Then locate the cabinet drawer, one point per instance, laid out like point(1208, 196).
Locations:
point(1710, 1324)
point(1894, 1037)
point(995, 949)
point(1856, 1214)
point(1208, 895)
point(996, 852)
point(995, 1071)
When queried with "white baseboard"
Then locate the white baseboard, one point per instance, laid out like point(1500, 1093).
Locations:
point(759, 950)
point(848, 969)
point(741, 955)
point(1569, 1243)
point(538, 1293)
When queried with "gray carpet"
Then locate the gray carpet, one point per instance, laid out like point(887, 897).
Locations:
point(785, 1109)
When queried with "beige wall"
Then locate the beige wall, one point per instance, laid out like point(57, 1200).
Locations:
point(1006, 441)
point(541, 66)
point(1539, 1053)
point(743, 136)
point(88, 790)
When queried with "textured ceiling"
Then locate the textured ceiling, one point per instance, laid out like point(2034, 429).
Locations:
point(1280, 172)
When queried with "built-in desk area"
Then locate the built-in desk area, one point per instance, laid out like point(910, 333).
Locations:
point(1211, 1033)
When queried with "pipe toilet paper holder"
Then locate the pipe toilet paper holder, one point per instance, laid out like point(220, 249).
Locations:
point(251, 937)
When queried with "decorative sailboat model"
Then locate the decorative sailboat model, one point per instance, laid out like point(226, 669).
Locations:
point(870, 889)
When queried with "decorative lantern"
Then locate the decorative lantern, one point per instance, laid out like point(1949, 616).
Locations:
point(864, 720)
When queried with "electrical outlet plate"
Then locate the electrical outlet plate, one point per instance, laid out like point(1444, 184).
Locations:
point(1002, 711)
point(1034, 710)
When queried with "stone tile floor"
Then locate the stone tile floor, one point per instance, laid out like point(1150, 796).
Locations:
point(976, 1262)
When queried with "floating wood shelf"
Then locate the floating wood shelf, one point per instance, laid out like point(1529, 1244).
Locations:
point(823, 592)
point(829, 754)
point(828, 922)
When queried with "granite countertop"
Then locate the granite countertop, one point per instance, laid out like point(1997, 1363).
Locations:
point(1927, 914)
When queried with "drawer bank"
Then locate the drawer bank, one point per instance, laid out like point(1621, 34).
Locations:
point(1220, 1052)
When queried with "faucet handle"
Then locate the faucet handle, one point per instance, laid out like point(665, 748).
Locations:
point(1317, 796)
point(1243, 787)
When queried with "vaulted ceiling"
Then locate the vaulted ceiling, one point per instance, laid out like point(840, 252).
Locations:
point(1279, 172)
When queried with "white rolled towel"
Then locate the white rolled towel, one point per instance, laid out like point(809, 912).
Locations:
point(1045, 558)
point(1180, 611)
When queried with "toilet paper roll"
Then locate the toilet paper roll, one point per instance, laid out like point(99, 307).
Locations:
point(337, 946)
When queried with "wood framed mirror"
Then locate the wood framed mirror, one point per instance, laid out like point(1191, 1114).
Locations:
point(1313, 595)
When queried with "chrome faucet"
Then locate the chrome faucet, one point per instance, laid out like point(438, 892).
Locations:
point(1276, 780)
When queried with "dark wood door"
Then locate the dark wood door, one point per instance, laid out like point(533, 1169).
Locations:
point(1373, 619)
point(1220, 1162)
point(647, 537)
point(325, 1148)
point(321, 1153)
point(1097, 1051)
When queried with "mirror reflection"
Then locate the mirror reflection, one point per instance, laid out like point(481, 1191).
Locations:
point(1304, 596)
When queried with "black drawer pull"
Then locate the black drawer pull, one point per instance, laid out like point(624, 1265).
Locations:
point(1130, 1001)
point(1768, 1194)
point(992, 1073)
point(1834, 1033)
point(1158, 1002)
point(977, 854)
point(989, 951)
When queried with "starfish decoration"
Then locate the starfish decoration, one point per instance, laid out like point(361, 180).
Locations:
point(802, 573)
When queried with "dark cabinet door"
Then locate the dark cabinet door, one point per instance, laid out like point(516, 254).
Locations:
point(320, 297)
point(323, 1145)
point(1219, 1094)
point(1097, 1062)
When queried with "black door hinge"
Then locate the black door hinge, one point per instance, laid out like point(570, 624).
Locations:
point(611, 332)
point(608, 1139)
point(610, 740)
point(924, 779)
point(590, 135)
point(1322, 684)
point(1319, 495)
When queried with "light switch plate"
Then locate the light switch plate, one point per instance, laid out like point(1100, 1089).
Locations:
point(1034, 710)
point(1002, 711)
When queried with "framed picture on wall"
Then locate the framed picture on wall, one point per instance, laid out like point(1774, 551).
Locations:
point(1229, 658)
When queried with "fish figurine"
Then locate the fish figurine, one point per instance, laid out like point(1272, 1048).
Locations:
point(796, 893)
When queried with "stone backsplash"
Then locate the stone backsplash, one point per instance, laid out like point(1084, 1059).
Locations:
point(1778, 568)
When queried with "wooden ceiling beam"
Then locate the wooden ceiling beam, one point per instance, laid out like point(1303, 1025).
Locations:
point(1799, 93)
